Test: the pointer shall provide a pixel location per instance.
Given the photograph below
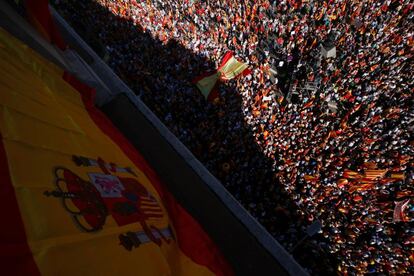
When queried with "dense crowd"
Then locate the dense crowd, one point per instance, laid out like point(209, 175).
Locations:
point(289, 164)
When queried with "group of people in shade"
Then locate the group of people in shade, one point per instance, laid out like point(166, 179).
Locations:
point(341, 153)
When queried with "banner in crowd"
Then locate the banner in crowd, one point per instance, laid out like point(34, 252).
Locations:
point(75, 197)
point(229, 69)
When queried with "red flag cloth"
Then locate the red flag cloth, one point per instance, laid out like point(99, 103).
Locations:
point(342, 182)
point(41, 18)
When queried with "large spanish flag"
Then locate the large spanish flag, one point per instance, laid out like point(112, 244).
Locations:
point(75, 197)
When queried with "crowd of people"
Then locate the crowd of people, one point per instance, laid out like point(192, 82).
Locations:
point(288, 163)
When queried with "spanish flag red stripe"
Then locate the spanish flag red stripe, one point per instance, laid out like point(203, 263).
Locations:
point(39, 15)
point(225, 59)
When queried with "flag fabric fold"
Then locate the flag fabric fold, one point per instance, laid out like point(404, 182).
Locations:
point(207, 84)
point(229, 68)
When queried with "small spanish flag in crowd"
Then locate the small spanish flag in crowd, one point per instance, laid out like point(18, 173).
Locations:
point(229, 69)
point(75, 197)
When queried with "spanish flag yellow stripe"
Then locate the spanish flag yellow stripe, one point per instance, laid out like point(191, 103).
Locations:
point(232, 69)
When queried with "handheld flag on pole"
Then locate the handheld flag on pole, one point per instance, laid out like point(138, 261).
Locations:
point(229, 69)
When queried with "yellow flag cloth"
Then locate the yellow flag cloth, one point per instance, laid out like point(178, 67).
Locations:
point(231, 67)
point(374, 174)
point(207, 83)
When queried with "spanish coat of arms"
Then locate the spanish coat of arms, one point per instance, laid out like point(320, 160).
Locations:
point(104, 194)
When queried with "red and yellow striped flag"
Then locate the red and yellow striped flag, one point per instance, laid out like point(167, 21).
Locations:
point(361, 187)
point(374, 174)
point(229, 68)
point(75, 197)
point(207, 84)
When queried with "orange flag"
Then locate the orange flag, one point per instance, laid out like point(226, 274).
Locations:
point(342, 182)
point(398, 176)
point(374, 174)
point(310, 178)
